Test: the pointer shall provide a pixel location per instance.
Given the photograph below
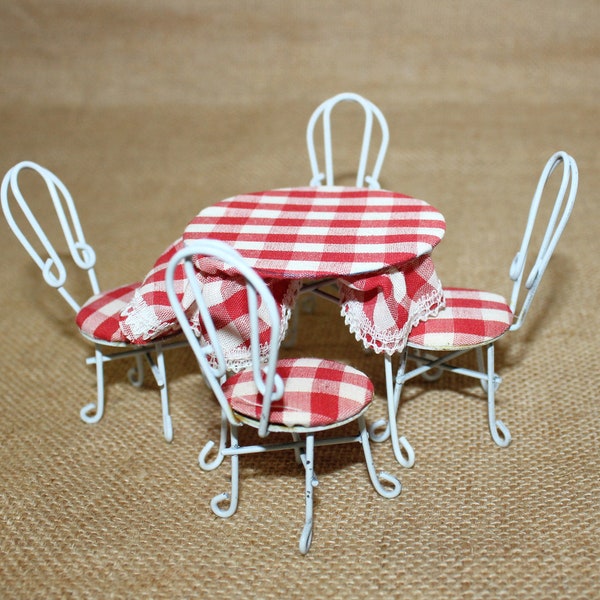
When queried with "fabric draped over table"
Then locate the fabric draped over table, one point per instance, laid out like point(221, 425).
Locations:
point(150, 316)
point(227, 300)
point(380, 308)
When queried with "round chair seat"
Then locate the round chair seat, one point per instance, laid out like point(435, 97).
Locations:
point(99, 317)
point(470, 318)
point(318, 393)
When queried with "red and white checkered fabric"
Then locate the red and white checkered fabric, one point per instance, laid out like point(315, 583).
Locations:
point(318, 232)
point(227, 301)
point(99, 317)
point(318, 393)
point(381, 309)
point(149, 314)
point(470, 318)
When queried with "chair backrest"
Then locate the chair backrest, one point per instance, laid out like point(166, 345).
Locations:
point(207, 348)
point(52, 267)
point(563, 205)
point(324, 111)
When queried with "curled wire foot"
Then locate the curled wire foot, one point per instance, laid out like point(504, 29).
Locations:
point(214, 504)
point(432, 374)
point(90, 414)
point(404, 453)
point(501, 434)
point(379, 437)
point(306, 537)
point(209, 465)
point(391, 480)
point(136, 375)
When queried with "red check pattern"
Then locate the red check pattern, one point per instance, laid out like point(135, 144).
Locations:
point(381, 309)
point(470, 318)
point(227, 300)
point(98, 318)
point(318, 393)
point(323, 231)
point(149, 315)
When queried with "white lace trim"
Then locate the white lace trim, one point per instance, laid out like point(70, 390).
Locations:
point(394, 340)
point(239, 358)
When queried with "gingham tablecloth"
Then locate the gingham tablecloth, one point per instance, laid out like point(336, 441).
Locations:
point(310, 232)
point(148, 314)
point(382, 308)
point(374, 243)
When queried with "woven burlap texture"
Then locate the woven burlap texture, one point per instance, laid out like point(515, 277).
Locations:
point(149, 112)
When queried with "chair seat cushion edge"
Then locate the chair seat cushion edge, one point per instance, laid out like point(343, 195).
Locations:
point(470, 318)
point(318, 394)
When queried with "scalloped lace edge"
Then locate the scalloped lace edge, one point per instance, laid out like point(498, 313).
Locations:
point(240, 358)
point(392, 341)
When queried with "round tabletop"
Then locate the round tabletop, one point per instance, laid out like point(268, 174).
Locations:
point(315, 232)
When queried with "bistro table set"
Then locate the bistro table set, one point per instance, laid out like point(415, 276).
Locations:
point(230, 288)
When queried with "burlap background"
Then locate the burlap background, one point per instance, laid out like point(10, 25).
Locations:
point(149, 111)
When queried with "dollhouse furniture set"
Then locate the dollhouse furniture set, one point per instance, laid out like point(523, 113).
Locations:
point(228, 286)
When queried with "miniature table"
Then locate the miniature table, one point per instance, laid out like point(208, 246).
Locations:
point(375, 244)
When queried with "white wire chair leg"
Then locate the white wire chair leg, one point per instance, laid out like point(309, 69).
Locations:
point(297, 453)
point(160, 374)
point(232, 496)
point(93, 412)
point(403, 451)
point(159, 371)
point(482, 368)
point(498, 430)
point(310, 483)
point(136, 373)
point(213, 464)
point(383, 424)
point(377, 478)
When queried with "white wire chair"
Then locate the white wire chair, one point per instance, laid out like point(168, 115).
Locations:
point(98, 317)
point(323, 111)
point(476, 319)
point(297, 396)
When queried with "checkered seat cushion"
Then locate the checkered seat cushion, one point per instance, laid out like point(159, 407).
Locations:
point(99, 317)
point(318, 393)
point(470, 318)
point(139, 313)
